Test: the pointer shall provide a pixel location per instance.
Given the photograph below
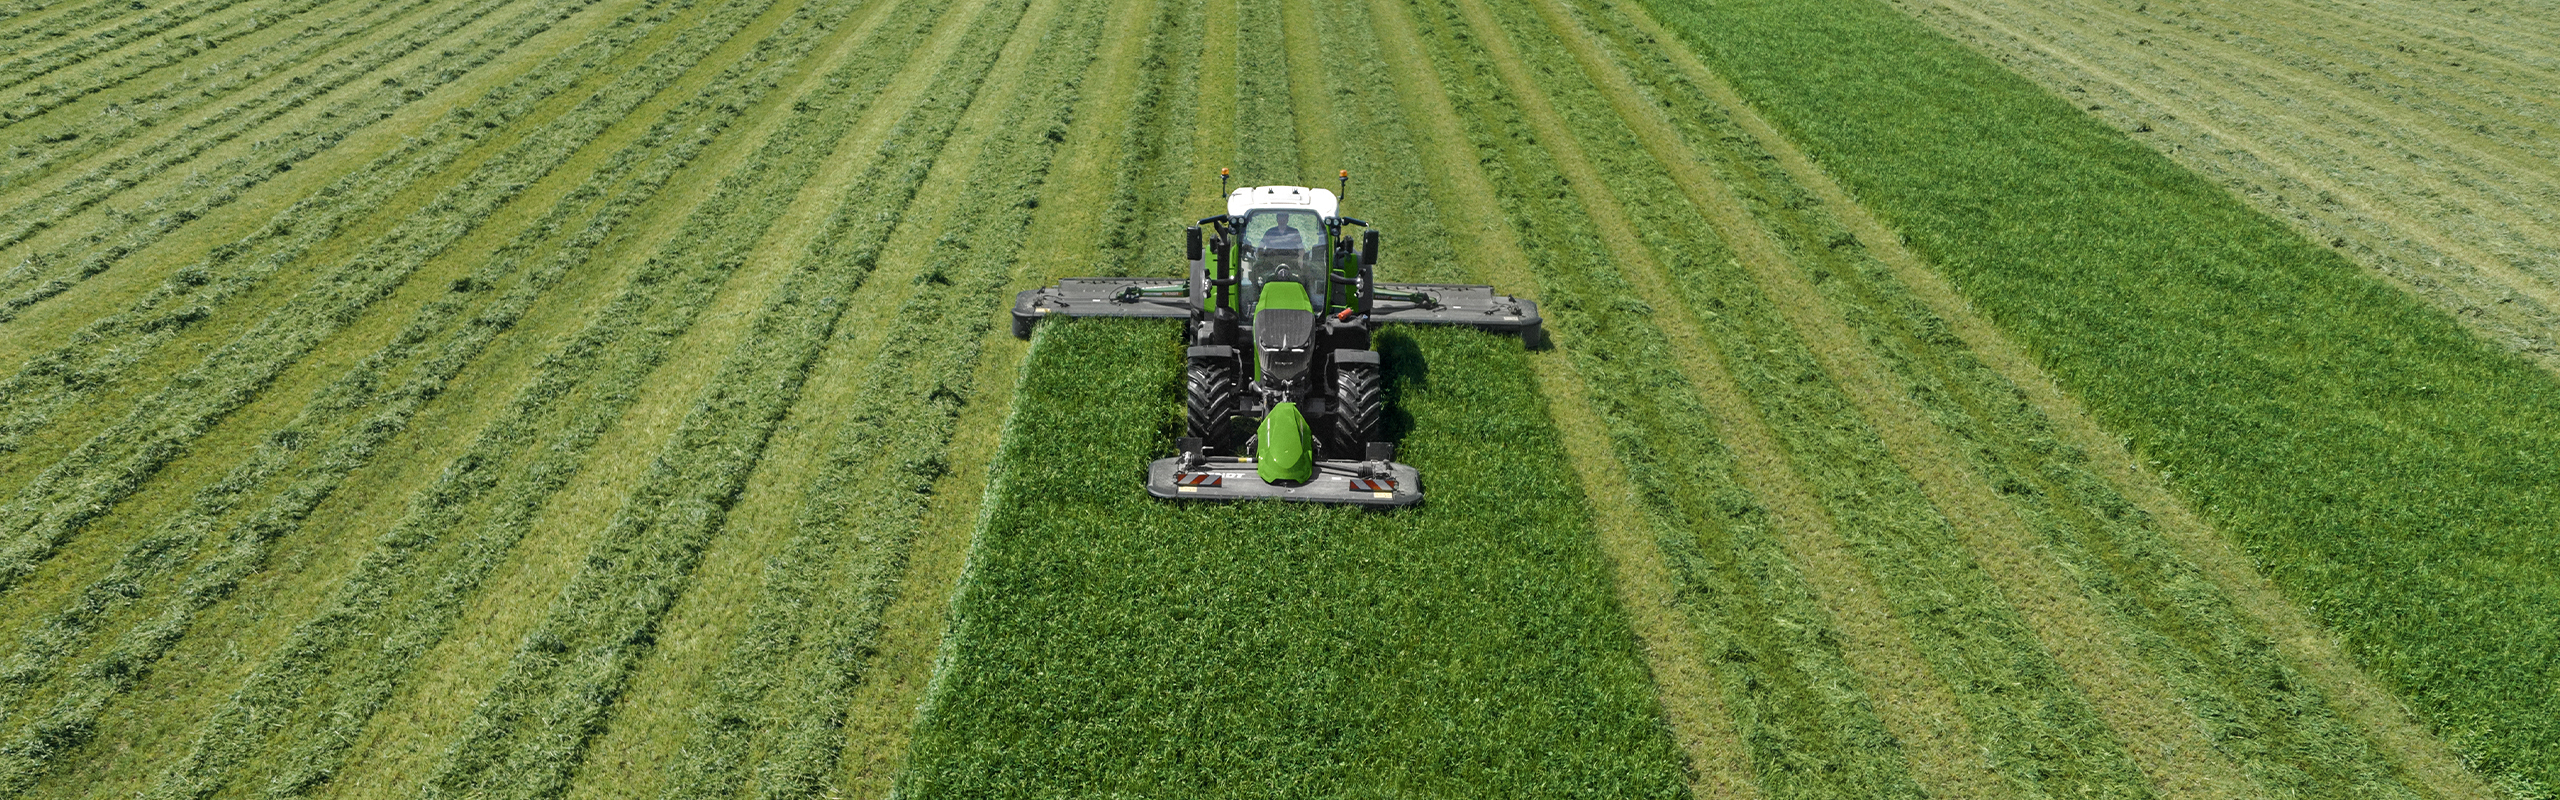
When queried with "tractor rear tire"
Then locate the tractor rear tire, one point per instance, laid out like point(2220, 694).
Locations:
point(1209, 408)
point(1359, 403)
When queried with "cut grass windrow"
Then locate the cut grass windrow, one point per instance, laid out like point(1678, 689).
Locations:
point(354, 417)
point(313, 700)
point(781, 696)
point(35, 101)
point(131, 110)
point(41, 62)
point(124, 232)
point(2178, 627)
point(112, 464)
point(2379, 462)
point(124, 662)
point(528, 734)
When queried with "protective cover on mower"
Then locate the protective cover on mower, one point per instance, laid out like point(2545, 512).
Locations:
point(1367, 483)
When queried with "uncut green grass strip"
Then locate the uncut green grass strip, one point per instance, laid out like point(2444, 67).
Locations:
point(1106, 642)
point(112, 464)
point(352, 418)
point(129, 230)
point(407, 593)
point(35, 65)
point(1810, 725)
point(34, 101)
point(784, 691)
point(2386, 468)
point(400, 593)
point(2041, 730)
point(147, 108)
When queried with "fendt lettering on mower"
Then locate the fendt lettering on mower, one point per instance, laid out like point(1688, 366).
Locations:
point(1285, 394)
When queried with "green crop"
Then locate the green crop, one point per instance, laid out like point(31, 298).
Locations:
point(114, 462)
point(149, 220)
point(2383, 465)
point(1108, 643)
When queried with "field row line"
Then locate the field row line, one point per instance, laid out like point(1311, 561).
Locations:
point(1703, 724)
point(128, 231)
point(211, 581)
point(2507, 186)
point(22, 103)
point(2290, 629)
point(101, 352)
point(2220, 649)
point(645, 556)
point(579, 392)
point(114, 462)
point(2343, 204)
point(151, 22)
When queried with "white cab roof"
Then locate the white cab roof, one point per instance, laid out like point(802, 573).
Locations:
point(1253, 197)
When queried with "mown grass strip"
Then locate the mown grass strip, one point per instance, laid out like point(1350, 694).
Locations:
point(33, 65)
point(150, 56)
point(312, 700)
point(578, 659)
point(123, 232)
point(779, 698)
point(2379, 462)
point(63, 726)
point(347, 424)
point(1107, 642)
point(112, 464)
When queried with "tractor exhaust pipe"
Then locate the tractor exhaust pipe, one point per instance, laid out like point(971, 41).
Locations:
point(1199, 274)
point(1368, 266)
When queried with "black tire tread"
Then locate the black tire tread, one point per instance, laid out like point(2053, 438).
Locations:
point(1209, 403)
point(1359, 402)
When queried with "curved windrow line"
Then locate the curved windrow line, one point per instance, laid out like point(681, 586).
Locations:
point(114, 463)
point(138, 110)
point(130, 230)
point(2380, 462)
point(408, 592)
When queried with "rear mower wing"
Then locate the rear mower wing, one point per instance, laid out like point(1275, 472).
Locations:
point(1159, 298)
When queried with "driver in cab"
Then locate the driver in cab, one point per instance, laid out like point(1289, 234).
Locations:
point(1283, 237)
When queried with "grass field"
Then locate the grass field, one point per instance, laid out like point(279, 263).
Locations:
point(611, 398)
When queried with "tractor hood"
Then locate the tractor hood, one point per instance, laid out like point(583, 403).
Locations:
point(1284, 331)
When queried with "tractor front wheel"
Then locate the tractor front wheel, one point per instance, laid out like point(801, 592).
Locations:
point(1210, 405)
point(1359, 401)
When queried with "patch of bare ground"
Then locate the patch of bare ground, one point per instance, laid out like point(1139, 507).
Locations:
point(2409, 140)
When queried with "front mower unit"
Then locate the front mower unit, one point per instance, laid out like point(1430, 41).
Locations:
point(1284, 396)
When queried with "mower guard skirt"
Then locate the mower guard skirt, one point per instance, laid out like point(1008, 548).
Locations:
point(1219, 478)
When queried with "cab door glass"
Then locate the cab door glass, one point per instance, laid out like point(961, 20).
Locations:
point(1281, 245)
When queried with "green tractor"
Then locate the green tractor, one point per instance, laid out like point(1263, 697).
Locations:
point(1285, 393)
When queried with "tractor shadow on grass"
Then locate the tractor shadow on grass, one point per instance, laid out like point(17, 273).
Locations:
point(1406, 371)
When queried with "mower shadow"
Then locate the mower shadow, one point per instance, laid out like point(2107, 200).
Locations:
point(1401, 356)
